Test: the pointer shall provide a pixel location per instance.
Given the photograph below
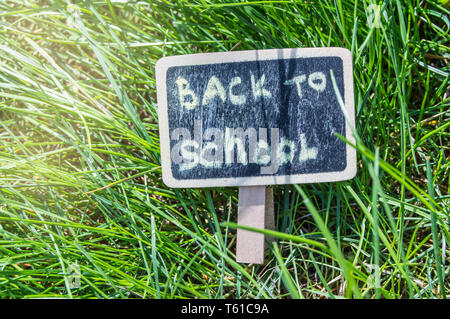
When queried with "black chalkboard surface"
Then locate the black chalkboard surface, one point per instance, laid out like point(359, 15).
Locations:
point(255, 117)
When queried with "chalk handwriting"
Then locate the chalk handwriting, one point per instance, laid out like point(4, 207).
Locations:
point(214, 148)
point(216, 89)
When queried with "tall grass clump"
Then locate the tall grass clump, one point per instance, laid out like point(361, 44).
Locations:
point(80, 171)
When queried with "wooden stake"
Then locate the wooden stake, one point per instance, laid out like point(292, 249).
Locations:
point(255, 210)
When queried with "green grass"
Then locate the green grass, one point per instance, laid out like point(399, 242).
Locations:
point(80, 175)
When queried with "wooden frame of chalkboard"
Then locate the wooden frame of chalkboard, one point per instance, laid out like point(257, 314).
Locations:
point(289, 72)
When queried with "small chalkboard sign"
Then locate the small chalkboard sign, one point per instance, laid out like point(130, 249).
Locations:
point(255, 117)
